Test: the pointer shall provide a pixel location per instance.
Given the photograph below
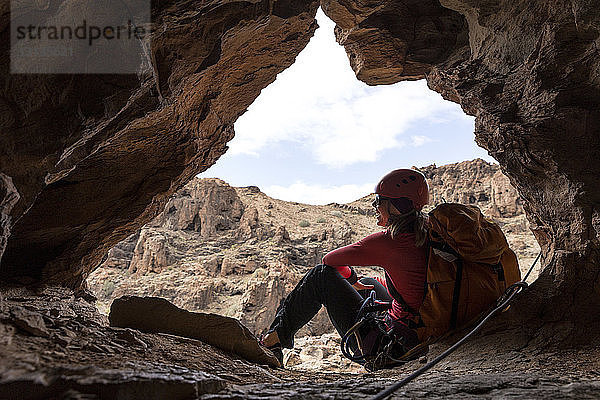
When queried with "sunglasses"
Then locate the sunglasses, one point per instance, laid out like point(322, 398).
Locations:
point(378, 200)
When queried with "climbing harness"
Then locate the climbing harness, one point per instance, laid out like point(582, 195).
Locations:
point(366, 313)
point(377, 344)
point(501, 305)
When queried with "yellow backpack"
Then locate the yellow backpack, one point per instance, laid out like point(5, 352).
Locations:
point(469, 266)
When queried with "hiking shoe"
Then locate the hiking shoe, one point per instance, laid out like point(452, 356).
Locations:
point(278, 353)
point(276, 349)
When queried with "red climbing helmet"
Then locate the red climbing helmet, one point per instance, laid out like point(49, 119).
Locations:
point(407, 183)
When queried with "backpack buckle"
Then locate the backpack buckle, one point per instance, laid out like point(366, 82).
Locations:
point(499, 271)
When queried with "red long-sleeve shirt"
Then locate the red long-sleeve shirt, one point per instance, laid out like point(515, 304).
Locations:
point(404, 262)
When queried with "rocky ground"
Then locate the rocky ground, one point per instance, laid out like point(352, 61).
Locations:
point(55, 339)
point(237, 252)
point(54, 344)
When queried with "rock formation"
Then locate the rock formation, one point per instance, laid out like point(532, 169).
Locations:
point(474, 182)
point(248, 252)
point(219, 206)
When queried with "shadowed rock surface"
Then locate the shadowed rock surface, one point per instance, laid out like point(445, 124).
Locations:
point(442, 386)
point(8, 197)
point(54, 344)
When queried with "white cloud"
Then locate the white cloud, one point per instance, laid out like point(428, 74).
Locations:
point(319, 194)
point(318, 102)
point(419, 140)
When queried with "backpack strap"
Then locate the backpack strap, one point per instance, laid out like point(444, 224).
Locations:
point(397, 296)
point(456, 294)
point(443, 250)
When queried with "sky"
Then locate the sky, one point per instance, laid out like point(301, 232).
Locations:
point(318, 135)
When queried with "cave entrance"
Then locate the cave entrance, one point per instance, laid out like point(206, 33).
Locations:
point(87, 160)
point(292, 187)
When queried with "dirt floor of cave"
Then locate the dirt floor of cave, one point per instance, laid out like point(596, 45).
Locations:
point(58, 344)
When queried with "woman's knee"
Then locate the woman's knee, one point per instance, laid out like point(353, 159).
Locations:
point(323, 276)
point(322, 269)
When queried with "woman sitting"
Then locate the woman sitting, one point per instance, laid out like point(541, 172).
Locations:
point(399, 249)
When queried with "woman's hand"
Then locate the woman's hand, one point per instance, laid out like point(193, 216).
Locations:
point(360, 286)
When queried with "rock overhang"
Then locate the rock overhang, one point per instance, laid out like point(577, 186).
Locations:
point(113, 162)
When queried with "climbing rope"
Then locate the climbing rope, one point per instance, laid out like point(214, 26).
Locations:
point(504, 300)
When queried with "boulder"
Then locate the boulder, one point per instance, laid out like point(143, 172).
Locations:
point(156, 315)
point(29, 321)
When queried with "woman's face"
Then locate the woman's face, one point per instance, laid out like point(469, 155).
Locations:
point(381, 210)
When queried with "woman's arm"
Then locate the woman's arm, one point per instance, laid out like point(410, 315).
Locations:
point(362, 253)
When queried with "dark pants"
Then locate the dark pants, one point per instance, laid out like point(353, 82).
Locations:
point(322, 286)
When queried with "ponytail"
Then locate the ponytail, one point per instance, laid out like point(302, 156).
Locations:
point(411, 222)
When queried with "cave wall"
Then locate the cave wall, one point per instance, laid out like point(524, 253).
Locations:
point(94, 157)
point(537, 95)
